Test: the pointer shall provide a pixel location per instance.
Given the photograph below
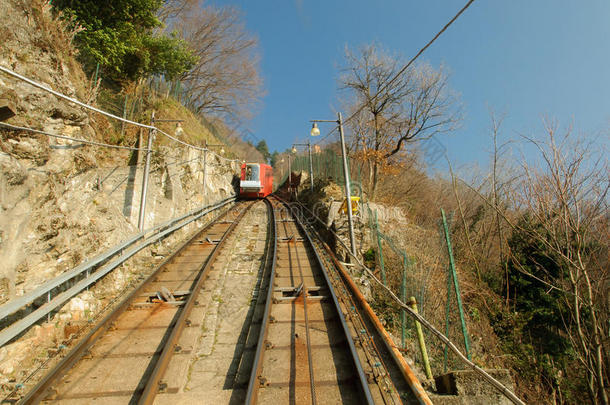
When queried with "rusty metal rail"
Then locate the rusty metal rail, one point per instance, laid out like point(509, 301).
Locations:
point(306, 351)
point(127, 353)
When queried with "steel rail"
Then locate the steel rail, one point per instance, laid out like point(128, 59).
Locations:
point(406, 371)
point(152, 385)
point(370, 353)
point(161, 230)
point(354, 355)
point(253, 384)
point(439, 335)
point(304, 293)
point(37, 393)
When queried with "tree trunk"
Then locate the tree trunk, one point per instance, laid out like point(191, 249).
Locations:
point(375, 178)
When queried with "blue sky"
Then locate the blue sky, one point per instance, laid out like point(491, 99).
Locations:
point(523, 58)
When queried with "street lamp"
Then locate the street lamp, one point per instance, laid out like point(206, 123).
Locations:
point(315, 131)
point(308, 144)
point(289, 174)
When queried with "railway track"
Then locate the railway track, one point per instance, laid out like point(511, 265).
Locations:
point(314, 345)
point(268, 317)
point(123, 359)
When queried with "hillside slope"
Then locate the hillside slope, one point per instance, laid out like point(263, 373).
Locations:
point(63, 202)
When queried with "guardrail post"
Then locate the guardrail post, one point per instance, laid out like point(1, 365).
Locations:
point(420, 339)
point(48, 300)
point(151, 135)
point(124, 116)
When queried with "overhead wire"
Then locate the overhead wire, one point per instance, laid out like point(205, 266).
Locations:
point(37, 131)
point(70, 99)
point(105, 113)
point(405, 67)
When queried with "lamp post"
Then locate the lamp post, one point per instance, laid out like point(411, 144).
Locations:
point(294, 150)
point(315, 131)
point(289, 176)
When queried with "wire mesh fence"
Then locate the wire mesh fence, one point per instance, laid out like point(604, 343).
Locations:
point(398, 269)
point(327, 165)
point(394, 264)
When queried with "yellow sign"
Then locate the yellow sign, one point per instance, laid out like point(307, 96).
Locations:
point(355, 206)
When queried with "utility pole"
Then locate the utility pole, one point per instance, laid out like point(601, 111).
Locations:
point(151, 135)
point(310, 165)
point(348, 195)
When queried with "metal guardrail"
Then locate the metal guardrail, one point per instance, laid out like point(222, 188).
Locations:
point(44, 290)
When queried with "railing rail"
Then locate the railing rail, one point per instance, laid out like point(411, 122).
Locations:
point(43, 291)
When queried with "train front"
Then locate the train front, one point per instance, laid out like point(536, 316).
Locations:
point(250, 185)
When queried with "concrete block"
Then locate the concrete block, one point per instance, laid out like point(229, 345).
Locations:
point(468, 384)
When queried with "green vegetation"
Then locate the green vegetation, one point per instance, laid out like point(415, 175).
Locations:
point(119, 35)
point(264, 150)
point(532, 327)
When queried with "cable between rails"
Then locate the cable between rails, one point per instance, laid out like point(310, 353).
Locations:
point(404, 68)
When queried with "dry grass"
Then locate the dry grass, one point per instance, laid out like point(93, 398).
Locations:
point(56, 39)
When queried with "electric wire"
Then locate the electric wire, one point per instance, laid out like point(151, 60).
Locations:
point(37, 131)
point(498, 385)
point(105, 113)
point(405, 67)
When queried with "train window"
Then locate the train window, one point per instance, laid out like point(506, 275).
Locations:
point(252, 172)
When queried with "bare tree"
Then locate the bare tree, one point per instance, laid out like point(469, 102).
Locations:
point(173, 8)
point(568, 197)
point(390, 110)
point(565, 203)
point(225, 81)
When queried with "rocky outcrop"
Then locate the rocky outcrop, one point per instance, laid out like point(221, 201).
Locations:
point(62, 202)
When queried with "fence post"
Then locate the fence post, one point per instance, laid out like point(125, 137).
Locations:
point(456, 284)
point(151, 135)
point(403, 297)
point(380, 250)
point(310, 165)
point(447, 320)
point(124, 116)
point(420, 339)
point(205, 166)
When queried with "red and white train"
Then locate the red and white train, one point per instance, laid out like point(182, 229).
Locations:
point(256, 180)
